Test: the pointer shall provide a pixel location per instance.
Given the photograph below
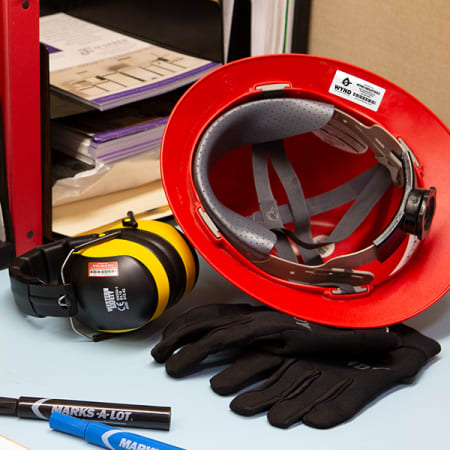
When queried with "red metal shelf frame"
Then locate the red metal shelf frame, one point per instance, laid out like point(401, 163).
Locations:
point(20, 103)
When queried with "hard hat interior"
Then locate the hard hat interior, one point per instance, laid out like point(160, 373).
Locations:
point(320, 168)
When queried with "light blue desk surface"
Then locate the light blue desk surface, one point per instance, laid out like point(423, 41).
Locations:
point(44, 358)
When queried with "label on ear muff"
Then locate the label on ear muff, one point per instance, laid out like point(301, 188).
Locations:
point(103, 269)
point(116, 299)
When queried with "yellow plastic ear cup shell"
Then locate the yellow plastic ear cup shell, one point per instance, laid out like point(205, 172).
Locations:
point(171, 235)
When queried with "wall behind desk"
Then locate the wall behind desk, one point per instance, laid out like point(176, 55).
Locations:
point(405, 41)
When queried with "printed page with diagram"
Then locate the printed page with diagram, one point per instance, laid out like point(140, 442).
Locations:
point(106, 69)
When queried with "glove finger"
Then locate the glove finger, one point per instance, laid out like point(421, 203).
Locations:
point(375, 376)
point(294, 407)
point(331, 413)
point(344, 405)
point(412, 338)
point(248, 369)
point(234, 335)
point(195, 323)
point(290, 377)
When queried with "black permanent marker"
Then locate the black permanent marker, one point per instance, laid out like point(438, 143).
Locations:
point(139, 416)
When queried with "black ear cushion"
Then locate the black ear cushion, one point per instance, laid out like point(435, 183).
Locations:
point(167, 255)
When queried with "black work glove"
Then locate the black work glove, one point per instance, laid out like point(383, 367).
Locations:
point(321, 392)
point(209, 329)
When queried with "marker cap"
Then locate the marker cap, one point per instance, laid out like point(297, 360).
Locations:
point(68, 424)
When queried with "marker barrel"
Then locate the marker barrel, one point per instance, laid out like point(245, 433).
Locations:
point(104, 435)
point(124, 415)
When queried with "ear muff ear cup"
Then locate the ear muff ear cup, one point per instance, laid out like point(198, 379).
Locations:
point(179, 250)
point(124, 283)
point(124, 300)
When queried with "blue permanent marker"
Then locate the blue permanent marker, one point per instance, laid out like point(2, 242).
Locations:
point(104, 435)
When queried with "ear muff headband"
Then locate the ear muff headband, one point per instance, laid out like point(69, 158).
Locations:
point(35, 278)
point(270, 120)
point(145, 256)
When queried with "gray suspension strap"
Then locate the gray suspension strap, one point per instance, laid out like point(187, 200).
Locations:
point(364, 202)
point(270, 212)
point(328, 200)
point(366, 190)
point(268, 207)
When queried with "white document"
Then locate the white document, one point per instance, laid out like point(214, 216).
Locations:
point(87, 215)
point(106, 69)
point(73, 42)
point(108, 178)
point(272, 26)
point(7, 444)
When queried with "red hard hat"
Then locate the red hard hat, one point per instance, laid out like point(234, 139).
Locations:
point(311, 185)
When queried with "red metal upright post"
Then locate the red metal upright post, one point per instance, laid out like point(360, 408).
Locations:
point(20, 103)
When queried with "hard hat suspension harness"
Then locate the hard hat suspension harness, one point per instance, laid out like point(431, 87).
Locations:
point(264, 123)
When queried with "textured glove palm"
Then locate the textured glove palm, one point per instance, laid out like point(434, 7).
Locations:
point(321, 392)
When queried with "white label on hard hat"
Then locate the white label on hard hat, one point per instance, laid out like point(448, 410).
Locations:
point(357, 90)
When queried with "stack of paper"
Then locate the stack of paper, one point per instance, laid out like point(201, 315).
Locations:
point(114, 94)
point(75, 181)
point(106, 69)
point(116, 134)
point(147, 201)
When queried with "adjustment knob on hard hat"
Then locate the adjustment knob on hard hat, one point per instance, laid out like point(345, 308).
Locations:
point(419, 212)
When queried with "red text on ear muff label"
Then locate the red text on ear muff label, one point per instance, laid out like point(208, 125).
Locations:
point(357, 90)
point(103, 269)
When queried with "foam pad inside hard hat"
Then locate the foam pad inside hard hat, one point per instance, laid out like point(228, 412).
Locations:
point(252, 123)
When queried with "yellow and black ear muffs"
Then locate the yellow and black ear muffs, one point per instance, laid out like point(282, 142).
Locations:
point(113, 282)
